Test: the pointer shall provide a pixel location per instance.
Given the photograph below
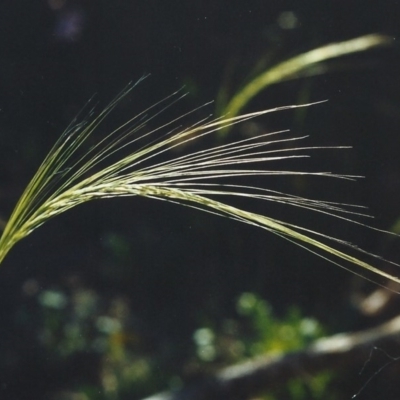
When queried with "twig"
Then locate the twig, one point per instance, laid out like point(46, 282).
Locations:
point(257, 375)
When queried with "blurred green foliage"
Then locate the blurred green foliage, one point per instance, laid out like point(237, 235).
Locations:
point(258, 331)
point(77, 323)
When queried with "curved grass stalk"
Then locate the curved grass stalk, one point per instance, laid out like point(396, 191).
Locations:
point(295, 66)
point(73, 174)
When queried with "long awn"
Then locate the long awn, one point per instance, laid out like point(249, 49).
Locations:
point(128, 162)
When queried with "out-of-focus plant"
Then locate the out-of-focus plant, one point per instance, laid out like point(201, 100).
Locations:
point(79, 324)
point(304, 64)
point(271, 334)
point(257, 331)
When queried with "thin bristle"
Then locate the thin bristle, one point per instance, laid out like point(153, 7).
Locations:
point(147, 165)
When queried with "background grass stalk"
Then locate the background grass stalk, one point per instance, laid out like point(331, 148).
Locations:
point(291, 68)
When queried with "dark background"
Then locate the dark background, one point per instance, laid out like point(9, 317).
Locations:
point(177, 268)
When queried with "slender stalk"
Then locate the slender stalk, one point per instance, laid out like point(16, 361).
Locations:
point(293, 67)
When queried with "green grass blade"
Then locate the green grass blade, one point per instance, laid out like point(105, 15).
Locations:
point(291, 68)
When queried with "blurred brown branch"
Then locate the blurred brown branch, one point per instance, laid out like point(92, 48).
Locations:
point(248, 379)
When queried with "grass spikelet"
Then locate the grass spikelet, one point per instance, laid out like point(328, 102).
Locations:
point(131, 161)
